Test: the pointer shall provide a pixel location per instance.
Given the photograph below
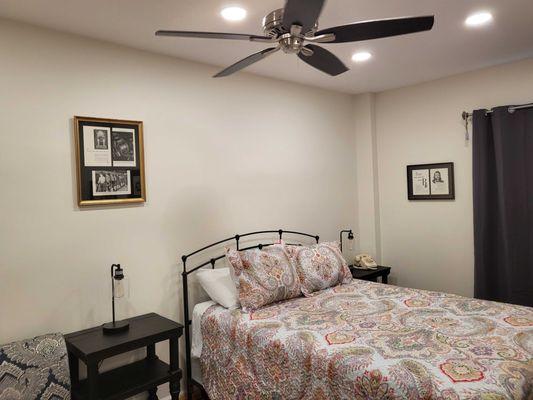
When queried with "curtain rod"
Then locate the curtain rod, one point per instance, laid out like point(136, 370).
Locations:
point(468, 116)
point(465, 115)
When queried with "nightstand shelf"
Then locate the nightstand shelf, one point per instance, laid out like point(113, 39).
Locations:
point(371, 274)
point(129, 380)
point(92, 346)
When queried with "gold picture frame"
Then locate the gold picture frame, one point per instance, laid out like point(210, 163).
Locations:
point(109, 161)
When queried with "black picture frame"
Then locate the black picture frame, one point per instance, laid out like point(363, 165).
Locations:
point(440, 181)
point(109, 161)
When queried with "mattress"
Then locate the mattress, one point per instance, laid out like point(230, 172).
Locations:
point(196, 339)
point(366, 340)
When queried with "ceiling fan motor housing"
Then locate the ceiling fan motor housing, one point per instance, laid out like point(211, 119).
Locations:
point(273, 27)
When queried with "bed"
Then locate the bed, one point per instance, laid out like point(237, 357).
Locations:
point(365, 340)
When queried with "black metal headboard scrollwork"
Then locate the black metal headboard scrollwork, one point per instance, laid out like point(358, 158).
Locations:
point(212, 261)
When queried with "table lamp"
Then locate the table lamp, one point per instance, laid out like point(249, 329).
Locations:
point(350, 235)
point(118, 290)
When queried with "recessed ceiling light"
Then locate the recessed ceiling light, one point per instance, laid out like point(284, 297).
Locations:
point(478, 19)
point(233, 13)
point(361, 56)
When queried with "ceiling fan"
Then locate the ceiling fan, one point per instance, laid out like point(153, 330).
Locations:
point(290, 28)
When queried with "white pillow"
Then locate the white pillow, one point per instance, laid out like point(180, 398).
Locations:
point(219, 286)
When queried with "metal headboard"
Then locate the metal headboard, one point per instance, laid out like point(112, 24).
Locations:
point(185, 273)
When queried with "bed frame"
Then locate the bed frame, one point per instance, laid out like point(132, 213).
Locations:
point(185, 273)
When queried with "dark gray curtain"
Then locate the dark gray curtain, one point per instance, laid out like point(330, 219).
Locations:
point(503, 205)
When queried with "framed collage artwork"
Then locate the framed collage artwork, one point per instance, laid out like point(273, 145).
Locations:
point(110, 161)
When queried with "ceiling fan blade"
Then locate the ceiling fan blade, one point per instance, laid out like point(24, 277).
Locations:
point(245, 62)
point(323, 60)
point(378, 29)
point(215, 35)
point(302, 12)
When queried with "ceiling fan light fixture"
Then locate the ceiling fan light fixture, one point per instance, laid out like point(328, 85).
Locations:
point(478, 19)
point(233, 13)
point(361, 56)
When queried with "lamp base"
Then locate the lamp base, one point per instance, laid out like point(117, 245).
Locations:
point(115, 327)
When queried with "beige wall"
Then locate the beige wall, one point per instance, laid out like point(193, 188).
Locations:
point(430, 244)
point(222, 157)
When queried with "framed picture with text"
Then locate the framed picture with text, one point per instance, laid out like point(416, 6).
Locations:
point(431, 182)
point(110, 161)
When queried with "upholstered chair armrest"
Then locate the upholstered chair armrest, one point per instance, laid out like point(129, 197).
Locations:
point(35, 369)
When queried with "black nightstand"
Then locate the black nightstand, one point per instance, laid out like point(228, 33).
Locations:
point(371, 274)
point(91, 346)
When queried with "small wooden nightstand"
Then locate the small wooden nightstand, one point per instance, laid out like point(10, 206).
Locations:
point(91, 346)
point(371, 274)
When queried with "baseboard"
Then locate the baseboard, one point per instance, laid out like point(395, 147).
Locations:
point(196, 394)
point(182, 397)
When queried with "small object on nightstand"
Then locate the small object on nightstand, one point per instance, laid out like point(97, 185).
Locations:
point(92, 346)
point(117, 292)
point(371, 274)
point(364, 261)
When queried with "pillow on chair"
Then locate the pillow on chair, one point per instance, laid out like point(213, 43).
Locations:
point(320, 266)
point(35, 369)
point(263, 276)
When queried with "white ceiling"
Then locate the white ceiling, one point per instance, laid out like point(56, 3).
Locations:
point(448, 49)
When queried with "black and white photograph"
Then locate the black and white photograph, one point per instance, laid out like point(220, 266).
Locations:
point(96, 151)
point(123, 147)
point(439, 181)
point(430, 182)
point(111, 183)
point(101, 139)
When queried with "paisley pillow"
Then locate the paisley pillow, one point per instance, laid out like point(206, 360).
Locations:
point(263, 276)
point(320, 266)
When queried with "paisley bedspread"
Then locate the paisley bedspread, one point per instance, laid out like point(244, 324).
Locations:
point(366, 340)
